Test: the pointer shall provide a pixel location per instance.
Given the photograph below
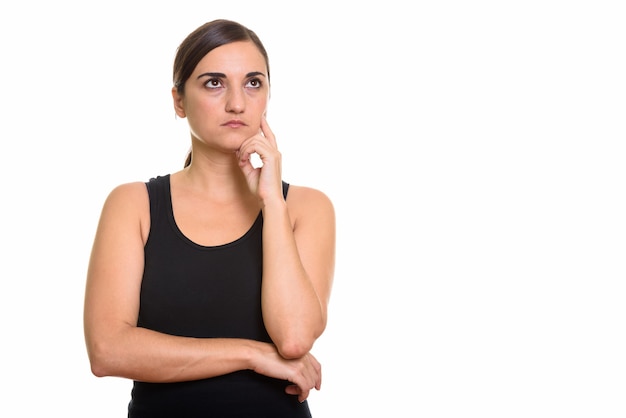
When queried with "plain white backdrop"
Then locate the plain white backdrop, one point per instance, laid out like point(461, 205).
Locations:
point(474, 152)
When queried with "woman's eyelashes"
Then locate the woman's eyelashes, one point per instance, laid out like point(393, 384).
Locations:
point(216, 83)
point(254, 83)
point(213, 83)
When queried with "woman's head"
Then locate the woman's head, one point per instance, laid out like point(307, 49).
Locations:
point(221, 79)
point(206, 38)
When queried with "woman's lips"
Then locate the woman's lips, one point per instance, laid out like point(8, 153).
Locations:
point(234, 124)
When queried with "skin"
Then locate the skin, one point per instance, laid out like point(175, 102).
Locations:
point(216, 199)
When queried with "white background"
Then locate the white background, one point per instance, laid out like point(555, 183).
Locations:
point(474, 152)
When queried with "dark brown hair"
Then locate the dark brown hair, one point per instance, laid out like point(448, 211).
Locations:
point(206, 38)
point(202, 41)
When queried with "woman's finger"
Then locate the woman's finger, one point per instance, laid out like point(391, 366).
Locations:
point(267, 132)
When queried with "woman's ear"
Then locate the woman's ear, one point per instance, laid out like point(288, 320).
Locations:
point(179, 107)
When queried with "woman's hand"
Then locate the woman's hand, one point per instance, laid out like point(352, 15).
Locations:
point(264, 181)
point(305, 372)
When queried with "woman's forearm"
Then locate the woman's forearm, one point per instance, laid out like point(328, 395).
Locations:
point(292, 310)
point(146, 355)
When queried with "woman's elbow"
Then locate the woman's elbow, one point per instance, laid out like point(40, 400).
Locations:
point(100, 359)
point(294, 348)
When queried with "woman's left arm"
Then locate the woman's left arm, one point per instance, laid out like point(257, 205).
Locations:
point(298, 268)
point(298, 249)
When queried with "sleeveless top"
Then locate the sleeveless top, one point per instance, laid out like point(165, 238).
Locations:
point(205, 292)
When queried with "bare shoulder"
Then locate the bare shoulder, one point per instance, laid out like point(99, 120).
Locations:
point(307, 202)
point(128, 195)
point(128, 204)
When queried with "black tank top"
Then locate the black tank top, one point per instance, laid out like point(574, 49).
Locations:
point(198, 291)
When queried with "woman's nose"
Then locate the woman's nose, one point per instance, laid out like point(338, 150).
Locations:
point(236, 101)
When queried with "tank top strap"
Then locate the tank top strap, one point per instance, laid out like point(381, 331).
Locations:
point(285, 189)
point(159, 195)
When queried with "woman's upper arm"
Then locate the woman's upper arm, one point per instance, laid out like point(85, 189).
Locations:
point(314, 231)
point(116, 265)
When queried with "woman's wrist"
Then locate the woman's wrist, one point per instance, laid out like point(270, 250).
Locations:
point(274, 203)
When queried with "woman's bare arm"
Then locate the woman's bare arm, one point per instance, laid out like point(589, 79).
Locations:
point(298, 268)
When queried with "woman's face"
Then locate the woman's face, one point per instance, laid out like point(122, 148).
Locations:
point(226, 96)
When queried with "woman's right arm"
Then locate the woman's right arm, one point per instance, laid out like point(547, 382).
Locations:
point(117, 347)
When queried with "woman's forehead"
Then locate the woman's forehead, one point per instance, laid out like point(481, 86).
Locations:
point(233, 58)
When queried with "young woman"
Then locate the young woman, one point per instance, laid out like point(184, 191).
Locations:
point(208, 287)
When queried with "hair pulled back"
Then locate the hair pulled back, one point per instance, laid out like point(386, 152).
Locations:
point(205, 39)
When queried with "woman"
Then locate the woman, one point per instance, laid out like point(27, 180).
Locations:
point(208, 287)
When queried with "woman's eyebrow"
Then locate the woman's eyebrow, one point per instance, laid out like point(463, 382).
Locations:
point(218, 75)
point(222, 75)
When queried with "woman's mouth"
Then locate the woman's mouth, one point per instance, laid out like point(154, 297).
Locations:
point(234, 123)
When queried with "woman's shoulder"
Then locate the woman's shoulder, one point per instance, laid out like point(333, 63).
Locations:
point(306, 192)
point(304, 199)
point(126, 205)
point(128, 191)
point(128, 198)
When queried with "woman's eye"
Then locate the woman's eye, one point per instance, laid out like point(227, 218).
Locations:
point(213, 83)
point(254, 83)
